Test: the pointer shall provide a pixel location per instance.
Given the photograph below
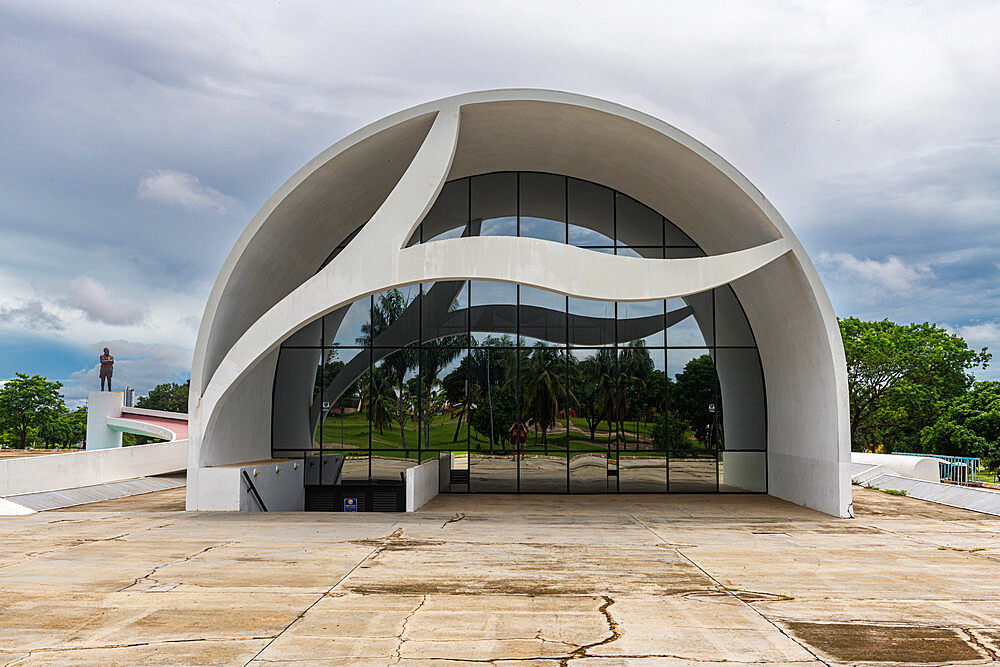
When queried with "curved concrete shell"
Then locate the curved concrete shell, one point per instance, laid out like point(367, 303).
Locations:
point(367, 195)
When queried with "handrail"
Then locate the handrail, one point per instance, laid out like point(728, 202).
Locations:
point(253, 490)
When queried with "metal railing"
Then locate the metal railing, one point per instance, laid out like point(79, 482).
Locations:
point(954, 469)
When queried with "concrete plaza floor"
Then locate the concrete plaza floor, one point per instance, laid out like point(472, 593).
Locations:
point(505, 580)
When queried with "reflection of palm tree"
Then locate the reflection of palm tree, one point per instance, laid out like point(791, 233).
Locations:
point(378, 392)
point(634, 366)
point(389, 307)
point(544, 386)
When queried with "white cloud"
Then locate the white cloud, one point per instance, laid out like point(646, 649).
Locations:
point(31, 314)
point(986, 334)
point(138, 365)
point(102, 303)
point(893, 273)
point(177, 188)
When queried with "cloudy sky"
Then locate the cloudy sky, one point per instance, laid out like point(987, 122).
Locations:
point(138, 139)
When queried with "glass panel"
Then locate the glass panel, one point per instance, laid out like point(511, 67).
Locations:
point(442, 400)
point(591, 214)
point(648, 253)
point(295, 385)
point(742, 409)
point(356, 466)
point(349, 326)
point(693, 472)
point(674, 236)
point(641, 321)
point(543, 206)
point(682, 253)
point(493, 312)
point(494, 203)
point(592, 434)
point(637, 224)
point(343, 424)
point(689, 321)
point(542, 315)
point(388, 465)
point(392, 399)
point(445, 312)
point(395, 318)
point(642, 462)
point(743, 471)
point(591, 323)
point(693, 399)
point(731, 325)
point(449, 215)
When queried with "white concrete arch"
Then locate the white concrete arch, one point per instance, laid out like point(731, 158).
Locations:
point(259, 301)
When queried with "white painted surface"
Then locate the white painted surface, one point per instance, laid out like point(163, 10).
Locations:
point(100, 406)
point(421, 483)
point(444, 471)
point(53, 472)
point(953, 495)
point(10, 508)
point(50, 500)
point(146, 412)
point(744, 470)
point(138, 428)
point(269, 288)
point(278, 481)
point(915, 467)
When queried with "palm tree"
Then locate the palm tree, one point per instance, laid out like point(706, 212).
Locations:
point(377, 391)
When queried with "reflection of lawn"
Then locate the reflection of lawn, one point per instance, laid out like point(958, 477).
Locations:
point(350, 432)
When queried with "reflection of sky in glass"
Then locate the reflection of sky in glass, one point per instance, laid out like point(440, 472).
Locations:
point(506, 226)
point(448, 234)
point(677, 359)
point(487, 292)
point(583, 236)
point(547, 230)
point(350, 329)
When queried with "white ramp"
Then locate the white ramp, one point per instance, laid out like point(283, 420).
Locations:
point(51, 500)
point(965, 497)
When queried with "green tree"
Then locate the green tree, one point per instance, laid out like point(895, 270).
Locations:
point(669, 434)
point(65, 429)
point(693, 391)
point(168, 396)
point(380, 397)
point(28, 402)
point(969, 426)
point(595, 390)
point(901, 377)
point(543, 383)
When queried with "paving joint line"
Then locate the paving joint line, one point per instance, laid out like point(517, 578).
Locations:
point(731, 594)
point(384, 542)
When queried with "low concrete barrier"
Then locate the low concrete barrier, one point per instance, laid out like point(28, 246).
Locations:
point(55, 472)
point(926, 468)
point(421, 483)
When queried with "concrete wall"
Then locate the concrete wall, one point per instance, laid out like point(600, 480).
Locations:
point(36, 474)
point(100, 406)
point(746, 471)
point(421, 484)
point(279, 483)
point(926, 468)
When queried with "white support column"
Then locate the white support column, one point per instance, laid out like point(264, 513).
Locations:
point(100, 406)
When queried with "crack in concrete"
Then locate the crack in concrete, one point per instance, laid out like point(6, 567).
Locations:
point(978, 643)
point(399, 647)
point(149, 576)
point(978, 551)
point(384, 542)
point(615, 634)
point(458, 517)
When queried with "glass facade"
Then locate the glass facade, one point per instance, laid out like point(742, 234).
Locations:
point(518, 389)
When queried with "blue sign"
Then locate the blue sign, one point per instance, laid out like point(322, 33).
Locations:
point(350, 504)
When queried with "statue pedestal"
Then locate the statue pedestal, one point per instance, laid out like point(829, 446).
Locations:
point(100, 406)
